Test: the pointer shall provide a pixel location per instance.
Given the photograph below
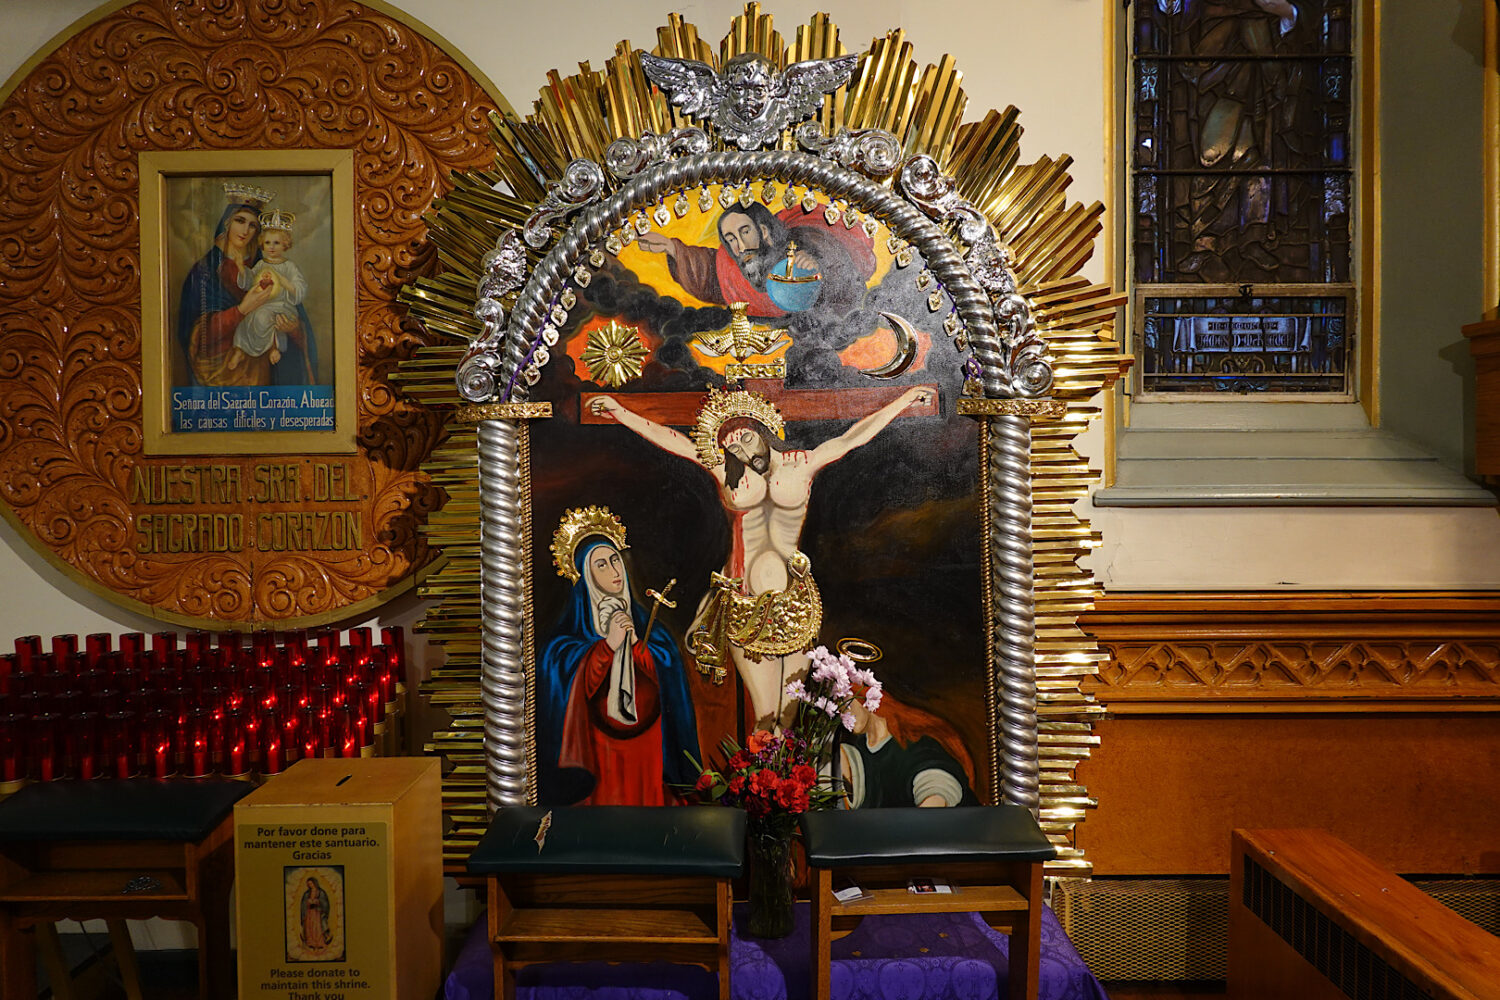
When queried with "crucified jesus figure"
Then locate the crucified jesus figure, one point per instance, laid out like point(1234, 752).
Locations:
point(765, 488)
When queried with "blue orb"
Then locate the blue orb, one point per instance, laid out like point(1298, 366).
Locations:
point(793, 297)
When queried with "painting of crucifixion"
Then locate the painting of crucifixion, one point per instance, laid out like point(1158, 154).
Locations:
point(754, 451)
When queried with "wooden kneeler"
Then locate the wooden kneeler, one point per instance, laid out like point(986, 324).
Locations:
point(116, 851)
point(992, 856)
point(610, 883)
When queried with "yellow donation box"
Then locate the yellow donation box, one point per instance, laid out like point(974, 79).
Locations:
point(338, 873)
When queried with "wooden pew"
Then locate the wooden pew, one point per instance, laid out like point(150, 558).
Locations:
point(1311, 918)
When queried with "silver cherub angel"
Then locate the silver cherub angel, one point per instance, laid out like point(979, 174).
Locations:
point(750, 103)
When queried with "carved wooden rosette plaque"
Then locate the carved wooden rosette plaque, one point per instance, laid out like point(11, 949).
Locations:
point(281, 537)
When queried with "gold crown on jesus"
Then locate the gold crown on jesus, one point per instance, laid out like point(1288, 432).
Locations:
point(578, 524)
point(277, 219)
point(722, 406)
point(239, 193)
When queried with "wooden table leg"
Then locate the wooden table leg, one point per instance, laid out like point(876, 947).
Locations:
point(215, 961)
point(499, 912)
point(724, 912)
point(59, 975)
point(822, 933)
point(124, 949)
point(17, 959)
point(1024, 974)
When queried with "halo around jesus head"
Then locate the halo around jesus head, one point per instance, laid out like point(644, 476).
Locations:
point(578, 524)
point(724, 405)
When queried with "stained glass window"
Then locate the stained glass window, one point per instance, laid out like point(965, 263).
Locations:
point(1241, 175)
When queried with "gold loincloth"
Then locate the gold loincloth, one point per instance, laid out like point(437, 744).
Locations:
point(771, 624)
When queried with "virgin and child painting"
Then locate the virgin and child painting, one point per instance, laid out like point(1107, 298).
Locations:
point(250, 284)
point(753, 451)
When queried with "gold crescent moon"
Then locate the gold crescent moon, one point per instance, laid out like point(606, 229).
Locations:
point(906, 349)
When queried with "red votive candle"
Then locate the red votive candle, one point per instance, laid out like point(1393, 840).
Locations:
point(121, 747)
point(85, 757)
point(46, 757)
point(236, 743)
point(133, 643)
point(12, 748)
point(29, 653)
point(156, 743)
point(95, 645)
point(270, 760)
point(63, 646)
point(291, 718)
point(310, 732)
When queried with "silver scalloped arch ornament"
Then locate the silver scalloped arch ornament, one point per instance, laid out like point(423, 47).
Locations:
point(1011, 362)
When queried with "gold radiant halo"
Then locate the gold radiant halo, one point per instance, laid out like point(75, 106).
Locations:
point(724, 405)
point(614, 354)
point(859, 650)
point(576, 525)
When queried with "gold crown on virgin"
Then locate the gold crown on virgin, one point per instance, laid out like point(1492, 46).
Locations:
point(277, 219)
point(578, 524)
point(723, 405)
point(238, 193)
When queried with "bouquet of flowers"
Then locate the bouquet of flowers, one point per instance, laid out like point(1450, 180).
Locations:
point(826, 699)
point(778, 775)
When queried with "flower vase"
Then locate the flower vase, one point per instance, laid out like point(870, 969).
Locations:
point(771, 892)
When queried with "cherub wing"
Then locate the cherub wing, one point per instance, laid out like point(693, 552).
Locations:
point(691, 85)
point(802, 85)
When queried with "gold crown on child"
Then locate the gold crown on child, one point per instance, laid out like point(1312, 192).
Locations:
point(239, 193)
point(277, 219)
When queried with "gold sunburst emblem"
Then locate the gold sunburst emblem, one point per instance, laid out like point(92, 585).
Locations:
point(614, 354)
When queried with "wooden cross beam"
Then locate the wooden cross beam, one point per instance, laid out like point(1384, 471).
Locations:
point(680, 409)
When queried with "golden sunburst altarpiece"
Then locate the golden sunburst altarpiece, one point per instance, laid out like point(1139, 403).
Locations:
point(1050, 238)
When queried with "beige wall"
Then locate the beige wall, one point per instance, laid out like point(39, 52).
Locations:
point(1048, 58)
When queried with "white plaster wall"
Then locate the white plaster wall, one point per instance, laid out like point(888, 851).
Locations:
point(1045, 56)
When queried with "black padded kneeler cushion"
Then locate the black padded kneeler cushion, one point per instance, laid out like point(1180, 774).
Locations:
point(842, 837)
point(619, 840)
point(109, 809)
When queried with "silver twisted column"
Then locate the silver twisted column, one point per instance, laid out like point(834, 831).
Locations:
point(502, 583)
point(1013, 640)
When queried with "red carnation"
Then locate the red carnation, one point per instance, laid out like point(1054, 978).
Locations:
point(705, 782)
point(804, 775)
point(765, 782)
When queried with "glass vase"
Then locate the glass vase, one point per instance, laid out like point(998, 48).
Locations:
point(771, 891)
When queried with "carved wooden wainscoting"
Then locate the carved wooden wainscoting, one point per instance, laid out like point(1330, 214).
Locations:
point(1370, 715)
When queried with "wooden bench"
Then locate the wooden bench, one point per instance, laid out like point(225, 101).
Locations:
point(610, 883)
point(1311, 918)
point(117, 851)
point(992, 856)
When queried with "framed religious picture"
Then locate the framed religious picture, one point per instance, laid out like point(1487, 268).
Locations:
point(314, 898)
point(247, 296)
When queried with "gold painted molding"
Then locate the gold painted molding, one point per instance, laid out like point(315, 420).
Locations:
point(1316, 652)
point(1037, 409)
point(479, 412)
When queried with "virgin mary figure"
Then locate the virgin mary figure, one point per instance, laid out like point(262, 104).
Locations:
point(614, 717)
point(213, 304)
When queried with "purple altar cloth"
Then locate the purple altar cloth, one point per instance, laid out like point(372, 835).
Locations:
point(945, 956)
